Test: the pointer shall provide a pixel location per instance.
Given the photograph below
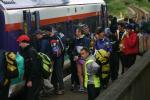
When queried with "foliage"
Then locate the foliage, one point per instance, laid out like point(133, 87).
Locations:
point(117, 6)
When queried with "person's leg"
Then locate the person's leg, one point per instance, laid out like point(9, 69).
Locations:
point(114, 66)
point(123, 62)
point(97, 92)
point(54, 80)
point(57, 77)
point(104, 83)
point(132, 59)
point(91, 92)
point(32, 93)
point(74, 76)
point(59, 72)
point(37, 89)
point(4, 92)
point(80, 76)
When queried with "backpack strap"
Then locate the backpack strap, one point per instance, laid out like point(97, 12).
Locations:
point(63, 48)
point(103, 57)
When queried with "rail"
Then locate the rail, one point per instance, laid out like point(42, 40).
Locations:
point(139, 13)
point(133, 85)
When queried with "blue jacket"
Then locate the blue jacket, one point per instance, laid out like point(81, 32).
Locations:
point(103, 44)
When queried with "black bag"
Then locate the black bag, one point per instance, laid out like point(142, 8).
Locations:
point(11, 65)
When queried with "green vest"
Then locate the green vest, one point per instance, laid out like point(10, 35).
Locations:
point(96, 79)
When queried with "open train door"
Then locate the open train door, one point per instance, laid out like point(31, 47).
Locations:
point(104, 16)
point(2, 27)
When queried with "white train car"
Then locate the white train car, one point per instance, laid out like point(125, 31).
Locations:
point(52, 12)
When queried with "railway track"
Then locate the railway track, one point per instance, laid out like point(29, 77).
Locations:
point(139, 13)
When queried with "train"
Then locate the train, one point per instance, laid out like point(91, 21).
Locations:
point(18, 16)
point(51, 12)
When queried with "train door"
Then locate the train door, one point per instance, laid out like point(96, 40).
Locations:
point(104, 19)
point(2, 28)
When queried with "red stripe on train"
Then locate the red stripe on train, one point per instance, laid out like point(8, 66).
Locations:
point(17, 26)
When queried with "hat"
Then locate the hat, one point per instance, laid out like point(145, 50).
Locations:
point(23, 38)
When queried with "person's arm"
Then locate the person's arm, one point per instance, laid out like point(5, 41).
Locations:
point(35, 66)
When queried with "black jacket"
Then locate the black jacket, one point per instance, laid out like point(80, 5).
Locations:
point(32, 64)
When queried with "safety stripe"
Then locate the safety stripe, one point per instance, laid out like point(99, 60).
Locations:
point(17, 26)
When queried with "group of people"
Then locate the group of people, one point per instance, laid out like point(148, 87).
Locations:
point(94, 57)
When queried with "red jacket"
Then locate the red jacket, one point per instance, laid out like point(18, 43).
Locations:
point(131, 44)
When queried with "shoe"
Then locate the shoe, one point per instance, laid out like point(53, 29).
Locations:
point(59, 92)
point(104, 87)
point(72, 88)
point(81, 89)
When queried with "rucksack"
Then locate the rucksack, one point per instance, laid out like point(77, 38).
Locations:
point(100, 56)
point(46, 65)
point(20, 64)
point(103, 62)
point(11, 65)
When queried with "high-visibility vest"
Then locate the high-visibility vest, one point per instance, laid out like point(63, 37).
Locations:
point(96, 79)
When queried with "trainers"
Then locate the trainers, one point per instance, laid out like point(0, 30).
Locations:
point(60, 92)
point(104, 86)
point(72, 87)
point(81, 89)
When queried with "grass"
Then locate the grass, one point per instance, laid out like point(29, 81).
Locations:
point(115, 7)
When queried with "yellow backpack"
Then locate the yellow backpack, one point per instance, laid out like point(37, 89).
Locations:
point(11, 65)
point(100, 56)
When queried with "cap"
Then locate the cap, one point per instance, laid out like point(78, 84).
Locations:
point(23, 38)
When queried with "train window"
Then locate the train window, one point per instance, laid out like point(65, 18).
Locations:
point(92, 22)
point(8, 1)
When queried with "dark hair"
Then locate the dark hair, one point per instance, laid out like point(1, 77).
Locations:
point(129, 26)
point(47, 28)
point(121, 24)
point(131, 20)
point(99, 30)
point(85, 49)
point(80, 29)
point(125, 19)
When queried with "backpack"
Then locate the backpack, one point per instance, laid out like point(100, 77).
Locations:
point(46, 65)
point(103, 62)
point(20, 64)
point(56, 46)
point(11, 65)
point(100, 56)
